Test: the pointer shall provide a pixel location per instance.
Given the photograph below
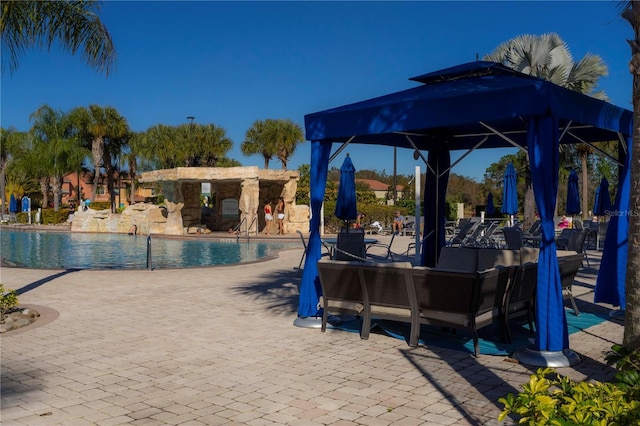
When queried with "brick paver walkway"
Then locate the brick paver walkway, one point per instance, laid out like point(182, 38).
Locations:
point(213, 346)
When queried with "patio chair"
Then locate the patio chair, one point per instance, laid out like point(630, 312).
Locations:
point(388, 254)
point(563, 239)
point(512, 238)
point(350, 246)
point(467, 300)
point(569, 266)
point(304, 253)
point(520, 296)
point(341, 290)
point(409, 227)
point(460, 236)
point(487, 238)
point(601, 236)
point(474, 237)
point(534, 229)
point(577, 243)
point(389, 294)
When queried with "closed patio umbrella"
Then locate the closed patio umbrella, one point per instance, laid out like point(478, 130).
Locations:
point(13, 204)
point(491, 209)
point(510, 193)
point(573, 194)
point(602, 202)
point(346, 208)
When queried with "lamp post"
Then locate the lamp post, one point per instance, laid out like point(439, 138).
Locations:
point(190, 118)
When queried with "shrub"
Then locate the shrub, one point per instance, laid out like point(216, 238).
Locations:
point(52, 217)
point(551, 399)
point(8, 300)
point(100, 205)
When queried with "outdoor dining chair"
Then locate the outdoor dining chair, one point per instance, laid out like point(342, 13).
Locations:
point(304, 253)
point(350, 246)
point(387, 247)
point(569, 266)
point(576, 242)
point(512, 238)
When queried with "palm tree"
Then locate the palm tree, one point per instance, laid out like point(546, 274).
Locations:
point(73, 24)
point(113, 148)
point(272, 137)
point(548, 57)
point(161, 146)
point(136, 147)
point(257, 142)
point(11, 143)
point(96, 124)
point(212, 144)
point(631, 338)
point(288, 136)
point(56, 150)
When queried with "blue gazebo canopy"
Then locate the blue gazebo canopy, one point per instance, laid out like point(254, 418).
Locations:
point(470, 106)
point(460, 105)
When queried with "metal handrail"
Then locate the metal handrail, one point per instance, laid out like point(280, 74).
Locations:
point(237, 228)
point(251, 224)
point(149, 263)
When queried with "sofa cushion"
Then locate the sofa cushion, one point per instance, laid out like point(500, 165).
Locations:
point(490, 258)
point(461, 259)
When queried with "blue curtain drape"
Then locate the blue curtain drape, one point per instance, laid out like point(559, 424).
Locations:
point(551, 322)
point(435, 189)
point(610, 284)
point(310, 290)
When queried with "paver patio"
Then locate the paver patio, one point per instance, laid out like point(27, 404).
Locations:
point(212, 346)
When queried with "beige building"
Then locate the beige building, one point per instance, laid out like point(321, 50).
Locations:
point(382, 190)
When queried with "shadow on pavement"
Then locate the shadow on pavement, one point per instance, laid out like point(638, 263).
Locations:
point(42, 281)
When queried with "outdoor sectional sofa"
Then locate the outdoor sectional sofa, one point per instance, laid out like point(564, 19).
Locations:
point(469, 288)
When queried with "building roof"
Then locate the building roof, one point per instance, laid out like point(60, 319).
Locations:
point(376, 185)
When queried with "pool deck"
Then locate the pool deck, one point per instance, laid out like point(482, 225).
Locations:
point(214, 346)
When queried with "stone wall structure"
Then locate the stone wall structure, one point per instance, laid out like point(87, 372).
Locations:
point(250, 186)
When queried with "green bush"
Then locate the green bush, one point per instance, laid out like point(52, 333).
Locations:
point(51, 217)
point(8, 300)
point(373, 212)
point(100, 205)
point(551, 399)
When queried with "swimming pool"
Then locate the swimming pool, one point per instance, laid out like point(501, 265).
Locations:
point(64, 250)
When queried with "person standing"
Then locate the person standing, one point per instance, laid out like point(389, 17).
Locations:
point(268, 217)
point(280, 216)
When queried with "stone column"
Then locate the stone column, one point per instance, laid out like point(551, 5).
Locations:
point(289, 194)
point(249, 203)
point(174, 201)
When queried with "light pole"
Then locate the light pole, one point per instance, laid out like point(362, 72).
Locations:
point(190, 118)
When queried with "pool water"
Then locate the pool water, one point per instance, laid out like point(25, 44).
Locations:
point(62, 250)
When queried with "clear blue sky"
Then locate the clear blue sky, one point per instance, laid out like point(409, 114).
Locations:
point(231, 63)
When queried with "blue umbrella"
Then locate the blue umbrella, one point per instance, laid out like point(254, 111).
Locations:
point(490, 210)
point(573, 194)
point(602, 202)
point(346, 208)
point(13, 205)
point(510, 192)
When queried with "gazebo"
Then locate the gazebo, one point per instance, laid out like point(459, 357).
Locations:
point(478, 105)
